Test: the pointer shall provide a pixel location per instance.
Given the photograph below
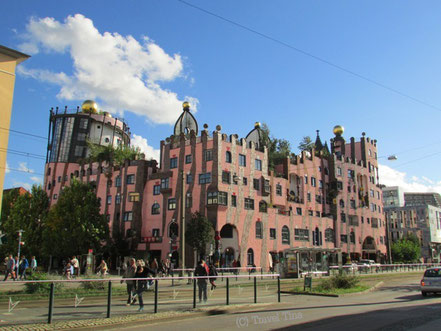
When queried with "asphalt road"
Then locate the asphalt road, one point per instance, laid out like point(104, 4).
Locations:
point(398, 305)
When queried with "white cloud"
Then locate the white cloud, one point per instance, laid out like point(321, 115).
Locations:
point(22, 166)
point(149, 151)
point(7, 168)
point(118, 70)
point(392, 177)
point(37, 179)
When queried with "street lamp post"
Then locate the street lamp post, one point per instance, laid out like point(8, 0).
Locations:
point(20, 232)
point(182, 212)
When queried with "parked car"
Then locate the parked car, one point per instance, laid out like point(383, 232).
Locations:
point(431, 282)
point(368, 263)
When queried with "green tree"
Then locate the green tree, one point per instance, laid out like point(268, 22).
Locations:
point(306, 144)
point(278, 149)
point(406, 250)
point(75, 224)
point(27, 212)
point(113, 155)
point(199, 233)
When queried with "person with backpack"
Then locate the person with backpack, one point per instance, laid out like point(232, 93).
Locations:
point(24, 265)
point(201, 272)
point(212, 272)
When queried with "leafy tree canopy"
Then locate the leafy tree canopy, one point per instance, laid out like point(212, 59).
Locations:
point(75, 224)
point(113, 155)
point(199, 232)
point(306, 144)
point(278, 149)
point(406, 250)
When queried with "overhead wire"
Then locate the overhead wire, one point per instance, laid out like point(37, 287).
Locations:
point(308, 54)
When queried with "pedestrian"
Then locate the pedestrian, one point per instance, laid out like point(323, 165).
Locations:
point(33, 265)
point(130, 283)
point(154, 265)
point(16, 271)
point(102, 269)
point(10, 268)
point(75, 265)
point(142, 272)
point(24, 265)
point(201, 274)
point(212, 273)
point(68, 271)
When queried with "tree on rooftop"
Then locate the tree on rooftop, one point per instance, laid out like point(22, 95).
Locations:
point(306, 144)
point(278, 149)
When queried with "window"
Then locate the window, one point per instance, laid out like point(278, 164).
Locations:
point(301, 234)
point(339, 185)
point(81, 137)
point(250, 257)
point(127, 216)
point(308, 196)
point(155, 232)
point(318, 198)
point(156, 189)
point(352, 202)
point(109, 199)
point(343, 217)
point(352, 237)
point(133, 197)
point(189, 179)
point(310, 213)
point(83, 123)
point(344, 238)
point(329, 235)
point(256, 184)
point(173, 229)
point(164, 182)
point(299, 211)
point(317, 213)
point(313, 182)
point(320, 184)
point(258, 164)
point(263, 207)
point(242, 160)
point(259, 232)
point(272, 233)
point(173, 163)
point(279, 189)
point(59, 179)
point(188, 159)
point(245, 181)
point(79, 150)
point(342, 203)
point(217, 198)
point(228, 157)
point(205, 178)
point(208, 155)
point(172, 204)
point(130, 179)
point(55, 197)
point(249, 204)
point(285, 235)
point(156, 209)
point(223, 198)
point(188, 201)
point(306, 179)
point(351, 173)
point(226, 177)
point(226, 231)
point(117, 198)
point(233, 201)
point(339, 171)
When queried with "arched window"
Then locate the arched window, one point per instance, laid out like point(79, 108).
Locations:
point(156, 209)
point(173, 230)
point(342, 203)
point(250, 257)
point(263, 207)
point(259, 230)
point(77, 173)
point(228, 157)
point(285, 235)
point(226, 231)
point(317, 237)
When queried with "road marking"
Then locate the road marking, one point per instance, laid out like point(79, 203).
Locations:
point(175, 294)
point(78, 300)
point(240, 289)
point(12, 305)
point(266, 288)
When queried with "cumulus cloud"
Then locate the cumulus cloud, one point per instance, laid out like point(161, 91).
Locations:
point(22, 166)
point(122, 72)
point(149, 151)
point(37, 179)
point(392, 177)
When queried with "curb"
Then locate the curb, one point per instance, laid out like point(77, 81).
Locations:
point(311, 293)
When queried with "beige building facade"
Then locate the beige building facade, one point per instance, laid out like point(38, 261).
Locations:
point(9, 59)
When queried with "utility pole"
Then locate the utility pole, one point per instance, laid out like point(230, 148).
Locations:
point(182, 212)
point(19, 246)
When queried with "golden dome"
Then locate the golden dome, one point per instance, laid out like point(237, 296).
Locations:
point(186, 105)
point(338, 130)
point(89, 106)
point(257, 125)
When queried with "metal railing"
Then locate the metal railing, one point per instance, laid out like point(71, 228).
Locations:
point(156, 281)
point(383, 268)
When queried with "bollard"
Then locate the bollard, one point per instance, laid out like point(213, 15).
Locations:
point(228, 291)
point(109, 299)
point(156, 296)
point(194, 293)
point(261, 273)
point(173, 278)
point(51, 304)
point(255, 289)
point(249, 274)
point(222, 279)
point(278, 288)
point(237, 272)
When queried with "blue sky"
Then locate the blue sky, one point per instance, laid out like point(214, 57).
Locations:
point(170, 52)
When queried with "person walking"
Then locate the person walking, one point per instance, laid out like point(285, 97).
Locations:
point(142, 271)
point(24, 265)
point(10, 268)
point(102, 269)
point(131, 289)
point(33, 265)
point(201, 273)
point(75, 265)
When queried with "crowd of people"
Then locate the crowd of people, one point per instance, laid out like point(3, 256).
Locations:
point(19, 268)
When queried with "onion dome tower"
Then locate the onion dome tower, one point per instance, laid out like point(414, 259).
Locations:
point(89, 106)
point(256, 136)
point(338, 143)
point(186, 122)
